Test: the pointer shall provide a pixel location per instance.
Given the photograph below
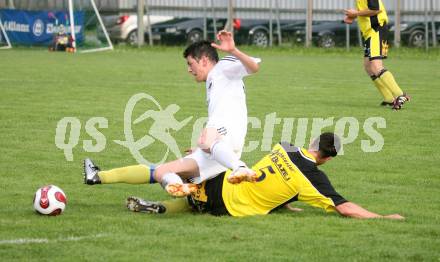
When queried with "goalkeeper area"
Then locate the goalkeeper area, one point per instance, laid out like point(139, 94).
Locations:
point(63, 25)
point(40, 88)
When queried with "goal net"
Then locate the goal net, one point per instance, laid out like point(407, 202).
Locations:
point(60, 25)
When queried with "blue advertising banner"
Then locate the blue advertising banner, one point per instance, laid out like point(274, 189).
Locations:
point(39, 27)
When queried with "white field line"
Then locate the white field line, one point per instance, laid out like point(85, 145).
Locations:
point(21, 241)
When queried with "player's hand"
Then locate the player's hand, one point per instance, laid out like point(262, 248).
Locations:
point(351, 13)
point(293, 209)
point(348, 20)
point(227, 43)
point(395, 216)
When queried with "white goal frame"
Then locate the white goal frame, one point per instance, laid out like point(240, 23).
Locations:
point(6, 36)
point(72, 29)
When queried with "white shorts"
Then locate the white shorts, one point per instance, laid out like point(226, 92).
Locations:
point(233, 134)
point(208, 167)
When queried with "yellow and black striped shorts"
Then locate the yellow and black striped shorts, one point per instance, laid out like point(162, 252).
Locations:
point(376, 43)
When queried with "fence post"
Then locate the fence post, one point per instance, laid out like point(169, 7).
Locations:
point(277, 10)
point(271, 23)
point(397, 22)
point(230, 22)
point(426, 25)
point(150, 33)
point(214, 20)
point(309, 17)
point(433, 27)
point(347, 35)
point(360, 37)
point(140, 22)
point(11, 4)
point(205, 20)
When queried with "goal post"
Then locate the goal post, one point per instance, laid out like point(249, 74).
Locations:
point(104, 31)
point(60, 25)
point(4, 39)
point(72, 25)
point(86, 46)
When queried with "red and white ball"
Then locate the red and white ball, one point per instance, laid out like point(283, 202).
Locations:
point(50, 200)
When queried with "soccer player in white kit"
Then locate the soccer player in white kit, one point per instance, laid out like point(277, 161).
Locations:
point(221, 141)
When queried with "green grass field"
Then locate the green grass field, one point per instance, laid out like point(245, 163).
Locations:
point(40, 88)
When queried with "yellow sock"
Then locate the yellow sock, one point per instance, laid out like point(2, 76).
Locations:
point(138, 174)
point(388, 80)
point(177, 205)
point(386, 94)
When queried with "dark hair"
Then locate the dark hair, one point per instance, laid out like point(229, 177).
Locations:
point(329, 144)
point(202, 48)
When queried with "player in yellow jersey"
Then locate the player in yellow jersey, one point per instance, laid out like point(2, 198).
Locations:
point(372, 20)
point(286, 174)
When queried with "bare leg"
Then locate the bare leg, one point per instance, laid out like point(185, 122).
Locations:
point(184, 167)
point(170, 176)
point(376, 66)
point(374, 69)
point(367, 66)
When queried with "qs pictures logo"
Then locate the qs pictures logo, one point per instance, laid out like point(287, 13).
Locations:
point(156, 125)
point(163, 120)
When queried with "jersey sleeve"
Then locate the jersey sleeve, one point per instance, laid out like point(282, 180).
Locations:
point(320, 192)
point(373, 4)
point(233, 68)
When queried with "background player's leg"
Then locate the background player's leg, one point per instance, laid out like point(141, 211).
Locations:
point(388, 80)
point(370, 50)
point(379, 50)
point(381, 87)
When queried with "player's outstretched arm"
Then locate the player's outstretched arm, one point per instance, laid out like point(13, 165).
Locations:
point(227, 44)
point(293, 209)
point(350, 209)
point(352, 13)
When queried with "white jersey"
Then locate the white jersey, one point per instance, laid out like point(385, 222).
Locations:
point(226, 98)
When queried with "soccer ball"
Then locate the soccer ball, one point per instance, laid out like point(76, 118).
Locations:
point(50, 200)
